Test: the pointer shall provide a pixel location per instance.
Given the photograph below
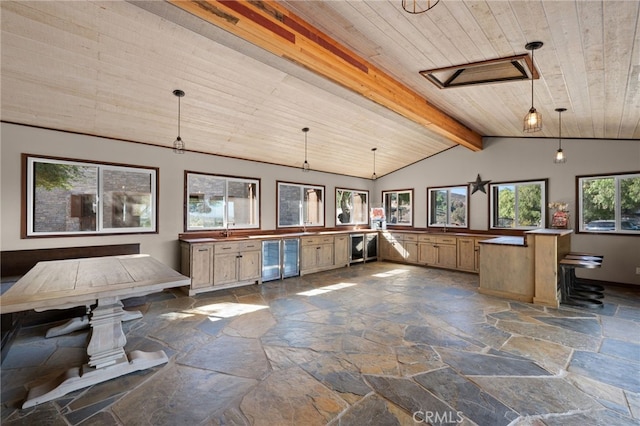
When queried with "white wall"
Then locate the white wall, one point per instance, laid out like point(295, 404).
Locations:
point(15, 140)
point(509, 159)
point(503, 159)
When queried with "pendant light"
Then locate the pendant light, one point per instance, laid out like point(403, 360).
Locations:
point(533, 119)
point(305, 165)
point(374, 176)
point(178, 144)
point(415, 7)
point(560, 157)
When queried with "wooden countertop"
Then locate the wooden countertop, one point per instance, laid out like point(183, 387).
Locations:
point(216, 239)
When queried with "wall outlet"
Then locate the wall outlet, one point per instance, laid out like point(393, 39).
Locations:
point(637, 270)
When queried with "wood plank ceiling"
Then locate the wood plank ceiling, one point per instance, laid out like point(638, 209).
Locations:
point(109, 69)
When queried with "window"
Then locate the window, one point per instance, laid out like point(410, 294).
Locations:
point(609, 204)
point(300, 205)
point(448, 206)
point(352, 207)
point(518, 205)
point(398, 207)
point(70, 197)
point(222, 202)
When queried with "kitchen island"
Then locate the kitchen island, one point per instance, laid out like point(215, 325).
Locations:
point(524, 268)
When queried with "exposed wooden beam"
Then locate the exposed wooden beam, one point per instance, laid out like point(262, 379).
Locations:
point(279, 31)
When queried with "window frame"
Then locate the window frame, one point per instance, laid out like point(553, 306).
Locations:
point(430, 207)
point(100, 203)
point(388, 212)
point(302, 223)
point(225, 213)
point(543, 204)
point(580, 225)
point(366, 208)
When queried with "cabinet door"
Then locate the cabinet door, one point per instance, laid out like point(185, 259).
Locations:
point(427, 253)
point(447, 255)
point(341, 250)
point(325, 255)
point(249, 265)
point(395, 250)
point(410, 251)
point(201, 265)
point(225, 268)
point(308, 257)
point(466, 254)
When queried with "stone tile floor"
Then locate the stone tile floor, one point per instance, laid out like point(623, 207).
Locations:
point(373, 344)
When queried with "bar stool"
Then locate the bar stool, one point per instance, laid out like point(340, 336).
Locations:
point(571, 295)
point(579, 284)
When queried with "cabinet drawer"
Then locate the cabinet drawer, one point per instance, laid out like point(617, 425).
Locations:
point(446, 240)
point(426, 238)
point(250, 245)
point(228, 247)
point(396, 236)
point(312, 241)
point(309, 241)
point(410, 237)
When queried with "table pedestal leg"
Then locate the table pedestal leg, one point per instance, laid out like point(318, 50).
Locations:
point(107, 358)
point(80, 323)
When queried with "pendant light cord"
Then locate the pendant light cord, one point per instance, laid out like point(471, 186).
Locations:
point(533, 66)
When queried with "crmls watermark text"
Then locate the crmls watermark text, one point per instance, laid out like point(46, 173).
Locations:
point(437, 417)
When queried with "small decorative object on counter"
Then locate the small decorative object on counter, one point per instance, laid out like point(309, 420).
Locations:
point(560, 218)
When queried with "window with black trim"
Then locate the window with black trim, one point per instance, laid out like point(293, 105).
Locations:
point(609, 203)
point(300, 205)
point(448, 206)
point(69, 197)
point(398, 207)
point(518, 205)
point(352, 207)
point(217, 202)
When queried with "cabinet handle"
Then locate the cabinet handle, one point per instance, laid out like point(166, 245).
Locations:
point(203, 249)
point(226, 248)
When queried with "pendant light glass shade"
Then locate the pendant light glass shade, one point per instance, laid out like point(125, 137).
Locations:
point(533, 119)
point(374, 176)
point(305, 165)
point(560, 158)
point(178, 144)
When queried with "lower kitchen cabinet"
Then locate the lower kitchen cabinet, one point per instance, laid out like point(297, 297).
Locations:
point(237, 262)
point(197, 262)
point(427, 250)
point(447, 253)
point(316, 254)
point(215, 264)
point(441, 250)
point(219, 265)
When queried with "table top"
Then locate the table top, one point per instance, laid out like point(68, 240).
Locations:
point(61, 284)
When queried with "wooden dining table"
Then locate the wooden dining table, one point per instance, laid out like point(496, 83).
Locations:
point(99, 283)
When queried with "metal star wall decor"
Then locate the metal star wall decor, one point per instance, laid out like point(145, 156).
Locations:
point(479, 185)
